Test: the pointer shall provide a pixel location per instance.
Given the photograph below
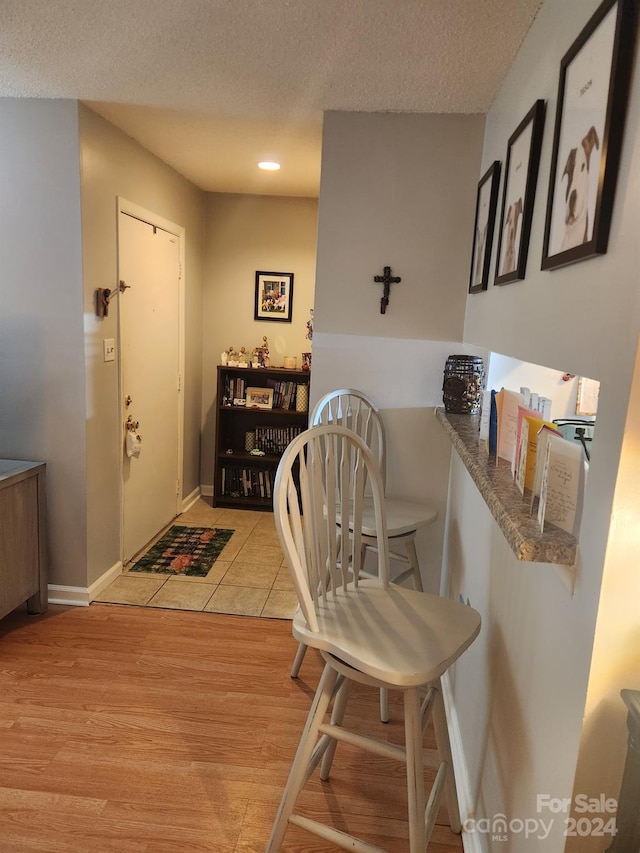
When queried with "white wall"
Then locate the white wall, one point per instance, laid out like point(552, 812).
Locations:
point(522, 688)
point(41, 335)
point(115, 165)
point(244, 234)
point(397, 190)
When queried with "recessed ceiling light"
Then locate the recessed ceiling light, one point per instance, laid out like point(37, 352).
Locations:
point(269, 166)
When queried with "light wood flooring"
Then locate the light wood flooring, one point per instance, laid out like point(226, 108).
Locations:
point(249, 578)
point(143, 730)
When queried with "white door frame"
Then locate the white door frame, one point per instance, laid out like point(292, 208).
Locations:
point(132, 209)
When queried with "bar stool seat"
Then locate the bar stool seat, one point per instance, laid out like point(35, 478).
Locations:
point(367, 630)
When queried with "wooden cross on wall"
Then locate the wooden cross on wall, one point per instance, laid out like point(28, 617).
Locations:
point(387, 280)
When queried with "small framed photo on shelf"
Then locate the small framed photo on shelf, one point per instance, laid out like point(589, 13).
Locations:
point(593, 89)
point(259, 398)
point(518, 195)
point(486, 205)
point(274, 296)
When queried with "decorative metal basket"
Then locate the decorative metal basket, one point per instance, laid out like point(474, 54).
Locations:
point(463, 384)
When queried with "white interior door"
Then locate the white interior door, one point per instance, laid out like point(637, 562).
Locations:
point(149, 266)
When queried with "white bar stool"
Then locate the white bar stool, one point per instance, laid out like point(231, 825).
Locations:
point(367, 630)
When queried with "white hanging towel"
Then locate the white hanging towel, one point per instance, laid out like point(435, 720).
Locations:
point(133, 444)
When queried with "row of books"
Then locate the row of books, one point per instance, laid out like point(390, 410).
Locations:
point(239, 482)
point(284, 393)
point(546, 466)
point(235, 388)
point(275, 439)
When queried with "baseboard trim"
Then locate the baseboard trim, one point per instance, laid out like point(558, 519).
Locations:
point(470, 840)
point(189, 501)
point(82, 596)
point(206, 491)
point(104, 580)
point(77, 596)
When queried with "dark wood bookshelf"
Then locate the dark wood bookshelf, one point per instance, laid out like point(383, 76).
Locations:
point(243, 480)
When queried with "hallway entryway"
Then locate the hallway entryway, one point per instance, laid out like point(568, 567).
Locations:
point(249, 577)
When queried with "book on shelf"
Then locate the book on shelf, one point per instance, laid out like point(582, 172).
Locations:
point(235, 388)
point(247, 482)
point(284, 393)
point(274, 440)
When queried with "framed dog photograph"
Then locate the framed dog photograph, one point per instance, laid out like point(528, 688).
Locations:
point(486, 206)
point(592, 103)
point(521, 175)
point(274, 296)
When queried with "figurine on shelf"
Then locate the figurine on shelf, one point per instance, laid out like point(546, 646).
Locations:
point(242, 358)
point(224, 357)
point(309, 335)
point(261, 354)
point(232, 357)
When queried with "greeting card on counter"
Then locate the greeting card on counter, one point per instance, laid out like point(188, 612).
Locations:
point(542, 439)
point(521, 464)
point(485, 416)
point(562, 484)
point(522, 412)
point(508, 406)
point(533, 422)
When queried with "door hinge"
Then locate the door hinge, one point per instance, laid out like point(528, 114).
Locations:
point(178, 489)
point(179, 382)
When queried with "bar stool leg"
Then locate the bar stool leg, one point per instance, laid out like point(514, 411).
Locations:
point(412, 556)
point(444, 751)
point(415, 771)
point(337, 716)
point(297, 661)
point(384, 704)
point(299, 768)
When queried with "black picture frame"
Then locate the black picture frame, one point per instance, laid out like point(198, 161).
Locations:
point(518, 195)
point(274, 296)
point(593, 91)
point(484, 226)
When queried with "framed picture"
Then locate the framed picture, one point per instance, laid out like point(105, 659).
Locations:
point(259, 398)
point(592, 103)
point(274, 296)
point(486, 206)
point(518, 195)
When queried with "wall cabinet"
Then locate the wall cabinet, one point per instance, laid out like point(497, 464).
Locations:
point(242, 478)
point(23, 552)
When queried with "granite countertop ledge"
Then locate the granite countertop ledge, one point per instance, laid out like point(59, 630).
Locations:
point(500, 493)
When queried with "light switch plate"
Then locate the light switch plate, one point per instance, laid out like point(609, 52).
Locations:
point(109, 349)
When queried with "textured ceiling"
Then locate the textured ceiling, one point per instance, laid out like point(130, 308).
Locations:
point(213, 86)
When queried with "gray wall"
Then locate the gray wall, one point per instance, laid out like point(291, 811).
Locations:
point(538, 694)
point(397, 190)
point(246, 233)
point(42, 371)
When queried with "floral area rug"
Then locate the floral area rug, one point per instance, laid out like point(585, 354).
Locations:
point(188, 551)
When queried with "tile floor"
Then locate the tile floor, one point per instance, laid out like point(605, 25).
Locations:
point(249, 578)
